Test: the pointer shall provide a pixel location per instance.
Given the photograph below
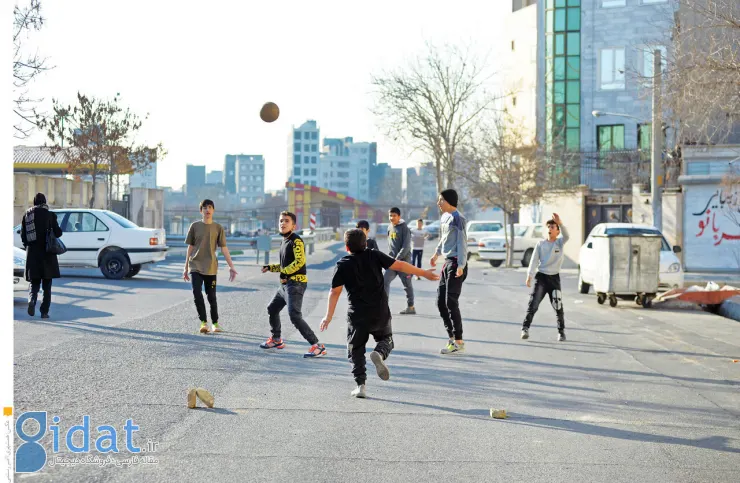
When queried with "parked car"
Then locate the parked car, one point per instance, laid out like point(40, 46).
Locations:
point(19, 270)
point(433, 229)
point(493, 248)
point(478, 230)
point(671, 272)
point(381, 231)
point(104, 239)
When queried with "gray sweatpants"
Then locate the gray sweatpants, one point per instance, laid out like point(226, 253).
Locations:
point(405, 279)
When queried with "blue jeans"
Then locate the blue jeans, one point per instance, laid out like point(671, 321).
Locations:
point(416, 255)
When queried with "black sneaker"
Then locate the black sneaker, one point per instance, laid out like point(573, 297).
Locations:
point(31, 309)
point(44, 316)
point(525, 334)
point(561, 337)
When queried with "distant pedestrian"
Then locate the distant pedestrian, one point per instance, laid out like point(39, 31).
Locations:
point(547, 259)
point(361, 273)
point(453, 247)
point(399, 247)
point(201, 263)
point(41, 266)
point(418, 237)
point(293, 282)
point(364, 225)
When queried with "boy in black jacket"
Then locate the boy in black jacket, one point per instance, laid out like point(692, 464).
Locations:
point(293, 281)
point(364, 225)
point(361, 272)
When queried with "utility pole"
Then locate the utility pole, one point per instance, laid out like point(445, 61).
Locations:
point(657, 142)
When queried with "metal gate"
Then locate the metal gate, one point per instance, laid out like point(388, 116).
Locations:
point(596, 213)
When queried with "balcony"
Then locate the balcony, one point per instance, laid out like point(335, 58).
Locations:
point(614, 170)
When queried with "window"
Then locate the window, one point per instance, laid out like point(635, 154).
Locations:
point(313, 159)
point(610, 138)
point(243, 179)
point(314, 148)
point(363, 182)
point(306, 147)
point(479, 227)
point(647, 61)
point(296, 159)
point(644, 136)
point(126, 223)
point(305, 159)
point(297, 147)
point(243, 189)
point(613, 3)
point(306, 135)
point(314, 135)
point(305, 172)
point(538, 232)
point(651, 2)
point(298, 180)
point(243, 201)
point(313, 172)
point(612, 68)
point(297, 171)
point(296, 135)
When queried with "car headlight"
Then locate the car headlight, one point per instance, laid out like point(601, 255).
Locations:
point(675, 267)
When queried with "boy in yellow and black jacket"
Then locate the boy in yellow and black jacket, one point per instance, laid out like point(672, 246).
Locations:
point(293, 281)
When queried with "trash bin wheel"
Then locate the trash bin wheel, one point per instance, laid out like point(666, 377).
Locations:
point(601, 298)
point(612, 300)
point(639, 299)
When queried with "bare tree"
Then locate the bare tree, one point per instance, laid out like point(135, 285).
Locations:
point(26, 67)
point(504, 170)
point(100, 139)
point(433, 104)
point(702, 79)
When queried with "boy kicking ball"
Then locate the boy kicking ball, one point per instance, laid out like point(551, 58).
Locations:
point(361, 273)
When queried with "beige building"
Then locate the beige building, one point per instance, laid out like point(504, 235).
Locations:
point(519, 72)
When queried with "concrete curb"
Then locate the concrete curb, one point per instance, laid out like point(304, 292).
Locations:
point(731, 308)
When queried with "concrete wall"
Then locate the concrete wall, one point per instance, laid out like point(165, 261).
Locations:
point(147, 207)
point(571, 207)
point(60, 193)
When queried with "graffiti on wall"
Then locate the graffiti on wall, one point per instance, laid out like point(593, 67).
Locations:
point(720, 218)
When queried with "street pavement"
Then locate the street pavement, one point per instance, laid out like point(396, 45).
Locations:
point(633, 394)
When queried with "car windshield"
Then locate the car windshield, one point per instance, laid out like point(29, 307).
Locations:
point(520, 230)
point(478, 227)
point(664, 246)
point(121, 220)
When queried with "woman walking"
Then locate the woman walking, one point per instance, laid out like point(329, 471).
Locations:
point(41, 267)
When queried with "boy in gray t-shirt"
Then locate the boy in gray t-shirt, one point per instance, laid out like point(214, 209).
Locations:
point(547, 259)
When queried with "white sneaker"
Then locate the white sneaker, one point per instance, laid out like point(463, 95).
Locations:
point(359, 392)
point(380, 366)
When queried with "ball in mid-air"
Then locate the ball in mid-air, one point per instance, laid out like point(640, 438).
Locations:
point(270, 112)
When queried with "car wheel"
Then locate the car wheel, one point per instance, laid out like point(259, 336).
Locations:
point(134, 270)
point(527, 258)
point(115, 265)
point(495, 263)
point(583, 287)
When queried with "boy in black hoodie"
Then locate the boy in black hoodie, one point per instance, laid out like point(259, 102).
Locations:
point(361, 273)
point(399, 247)
point(293, 281)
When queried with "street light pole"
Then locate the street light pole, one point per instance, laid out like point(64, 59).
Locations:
point(657, 142)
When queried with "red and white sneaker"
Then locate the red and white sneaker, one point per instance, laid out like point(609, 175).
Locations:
point(316, 350)
point(273, 344)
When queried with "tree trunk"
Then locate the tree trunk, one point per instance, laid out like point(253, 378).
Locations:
point(510, 245)
point(507, 263)
point(94, 178)
point(438, 167)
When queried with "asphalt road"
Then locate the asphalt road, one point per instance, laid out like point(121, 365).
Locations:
point(633, 395)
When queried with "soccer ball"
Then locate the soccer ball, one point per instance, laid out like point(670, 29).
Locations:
point(270, 112)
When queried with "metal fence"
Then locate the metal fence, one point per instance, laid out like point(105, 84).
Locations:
point(617, 170)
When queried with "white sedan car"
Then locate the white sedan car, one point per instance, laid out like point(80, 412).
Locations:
point(19, 270)
point(493, 248)
point(105, 240)
point(477, 230)
point(670, 275)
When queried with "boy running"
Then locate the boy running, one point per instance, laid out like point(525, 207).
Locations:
point(365, 227)
point(201, 263)
point(399, 247)
point(361, 272)
point(293, 281)
point(546, 262)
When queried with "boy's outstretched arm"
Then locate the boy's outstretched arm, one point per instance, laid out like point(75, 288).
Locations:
point(404, 267)
point(331, 306)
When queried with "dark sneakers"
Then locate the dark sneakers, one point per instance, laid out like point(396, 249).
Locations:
point(525, 334)
point(31, 308)
point(561, 336)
